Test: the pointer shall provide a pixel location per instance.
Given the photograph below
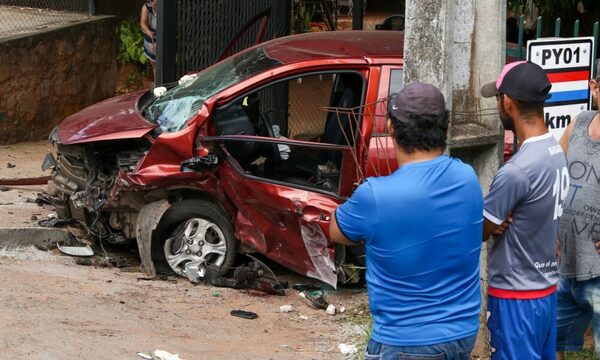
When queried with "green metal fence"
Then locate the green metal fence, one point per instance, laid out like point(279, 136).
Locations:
point(519, 52)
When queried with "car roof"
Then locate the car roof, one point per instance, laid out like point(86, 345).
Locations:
point(336, 45)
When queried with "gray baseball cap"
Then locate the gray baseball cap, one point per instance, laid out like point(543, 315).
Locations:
point(417, 99)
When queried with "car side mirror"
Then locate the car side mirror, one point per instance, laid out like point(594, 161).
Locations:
point(199, 163)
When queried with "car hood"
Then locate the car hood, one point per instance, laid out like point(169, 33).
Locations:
point(116, 118)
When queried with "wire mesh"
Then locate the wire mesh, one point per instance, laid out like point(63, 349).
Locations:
point(22, 16)
point(205, 28)
point(381, 154)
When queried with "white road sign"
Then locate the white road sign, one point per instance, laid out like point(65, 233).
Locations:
point(568, 64)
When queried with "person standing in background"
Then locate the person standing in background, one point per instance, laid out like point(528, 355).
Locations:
point(530, 189)
point(148, 22)
point(579, 232)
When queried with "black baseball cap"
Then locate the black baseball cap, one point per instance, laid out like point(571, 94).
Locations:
point(417, 98)
point(521, 80)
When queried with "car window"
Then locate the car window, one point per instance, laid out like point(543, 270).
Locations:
point(173, 109)
point(396, 81)
point(315, 108)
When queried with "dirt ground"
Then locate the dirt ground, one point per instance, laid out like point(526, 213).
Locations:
point(53, 308)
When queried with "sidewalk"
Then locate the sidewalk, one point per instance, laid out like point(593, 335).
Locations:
point(19, 221)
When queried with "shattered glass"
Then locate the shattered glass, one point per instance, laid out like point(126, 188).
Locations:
point(178, 104)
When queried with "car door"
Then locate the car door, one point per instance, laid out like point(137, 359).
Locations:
point(286, 184)
point(381, 153)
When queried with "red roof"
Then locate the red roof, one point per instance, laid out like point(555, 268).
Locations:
point(336, 45)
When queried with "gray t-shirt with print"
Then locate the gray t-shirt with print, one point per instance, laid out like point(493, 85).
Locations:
point(580, 224)
point(531, 186)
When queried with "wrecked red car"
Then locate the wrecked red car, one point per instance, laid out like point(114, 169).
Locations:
point(251, 155)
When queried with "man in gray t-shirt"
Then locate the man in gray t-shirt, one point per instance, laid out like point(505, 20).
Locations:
point(579, 232)
point(531, 189)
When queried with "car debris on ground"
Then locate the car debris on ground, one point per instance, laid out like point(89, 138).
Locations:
point(82, 251)
point(244, 314)
point(286, 308)
point(347, 349)
point(165, 355)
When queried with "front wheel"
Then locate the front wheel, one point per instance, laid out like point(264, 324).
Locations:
point(193, 231)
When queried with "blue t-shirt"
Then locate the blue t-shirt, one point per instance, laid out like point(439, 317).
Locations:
point(422, 228)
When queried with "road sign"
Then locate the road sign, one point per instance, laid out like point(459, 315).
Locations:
point(569, 66)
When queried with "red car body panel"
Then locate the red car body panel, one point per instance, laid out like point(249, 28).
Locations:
point(288, 224)
point(116, 118)
point(336, 45)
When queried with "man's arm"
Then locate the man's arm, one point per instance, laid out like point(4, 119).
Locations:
point(564, 139)
point(336, 234)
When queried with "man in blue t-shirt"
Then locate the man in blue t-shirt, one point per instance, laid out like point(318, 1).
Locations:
point(421, 227)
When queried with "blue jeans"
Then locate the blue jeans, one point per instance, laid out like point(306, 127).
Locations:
point(578, 305)
point(453, 350)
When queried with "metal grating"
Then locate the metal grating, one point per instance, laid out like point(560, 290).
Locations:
point(22, 16)
point(205, 28)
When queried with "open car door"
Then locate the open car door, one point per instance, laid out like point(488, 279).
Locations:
point(285, 218)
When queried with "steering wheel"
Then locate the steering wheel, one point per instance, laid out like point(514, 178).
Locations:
point(265, 123)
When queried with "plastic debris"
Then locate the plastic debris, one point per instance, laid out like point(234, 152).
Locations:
point(144, 356)
point(342, 309)
point(286, 308)
point(76, 250)
point(347, 349)
point(303, 317)
point(216, 294)
point(159, 91)
point(185, 79)
point(330, 309)
point(165, 355)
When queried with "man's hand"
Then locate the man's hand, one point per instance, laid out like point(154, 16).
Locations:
point(597, 244)
point(500, 229)
point(489, 228)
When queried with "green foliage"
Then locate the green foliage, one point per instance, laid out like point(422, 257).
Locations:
point(303, 17)
point(131, 47)
point(546, 8)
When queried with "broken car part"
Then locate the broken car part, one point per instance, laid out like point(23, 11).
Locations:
point(315, 299)
point(244, 314)
point(200, 163)
point(255, 276)
point(40, 180)
point(76, 250)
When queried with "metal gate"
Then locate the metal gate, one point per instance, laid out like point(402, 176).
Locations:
point(195, 33)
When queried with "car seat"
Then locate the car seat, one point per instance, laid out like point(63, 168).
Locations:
point(341, 127)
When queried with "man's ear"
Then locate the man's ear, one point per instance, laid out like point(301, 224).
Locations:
point(594, 87)
point(507, 103)
point(390, 127)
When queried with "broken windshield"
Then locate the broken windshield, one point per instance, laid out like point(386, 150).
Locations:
point(177, 105)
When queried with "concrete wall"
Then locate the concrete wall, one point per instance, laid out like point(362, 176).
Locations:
point(49, 75)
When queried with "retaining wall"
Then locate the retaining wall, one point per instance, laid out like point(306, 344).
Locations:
point(48, 75)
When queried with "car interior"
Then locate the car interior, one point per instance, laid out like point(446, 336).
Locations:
point(295, 109)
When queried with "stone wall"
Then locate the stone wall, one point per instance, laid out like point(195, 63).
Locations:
point(46, 76)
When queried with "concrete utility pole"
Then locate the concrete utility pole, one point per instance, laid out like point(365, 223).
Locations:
point(458, 45)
